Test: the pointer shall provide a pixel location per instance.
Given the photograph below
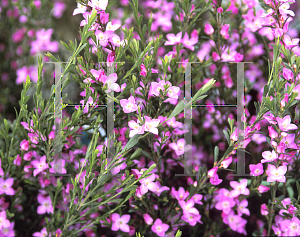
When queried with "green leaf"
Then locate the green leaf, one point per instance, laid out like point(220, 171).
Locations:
point(216, 153)
point(132, 142)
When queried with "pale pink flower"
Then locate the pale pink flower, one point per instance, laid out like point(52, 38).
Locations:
point(151, 125)
point(112, 27)
point(147, 184)
point(111, 83)
point(284, 9)
point(263, 189)
point(241, 207)
point(136, 128)
point(98, 4)
point(225, 205)
point(172, 39)
point(148, 219)
point(276, 174)
point(269, 156)
point(290, 43)
point(80, 9)
point(43, 233)
point(58, 166)
point(159, 189)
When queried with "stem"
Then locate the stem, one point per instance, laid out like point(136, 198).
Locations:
point(272, 208)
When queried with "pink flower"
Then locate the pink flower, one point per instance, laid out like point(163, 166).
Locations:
point(159, 228)
point(189, 43)
point(191, 218)
point(147, 184)
point(276, 174)
point(264, 210)
point(290, 43)
point(224, 31)
point(225, 205)
point(178, 147)
point(98, 4)
point(188, 207)
point(172, 39)
point(3, 221)
point(111, 83)
point(136, 128)
point(6, 186)
point(263, 189)
point(256, 170)
point(269, 156)
point(285, 123)
point(239, 188)
point(272, 133)
point(225, 163)
point(208, 29)
point(181, 194)
point(241, 207)
point(80, 9)
point(151, 125)
point(129, 105)
point(120, 223)
point(58, 167)
point(159, 189)
point(39, 166)
point(297, 90)
point(43, 233)
point(46, 204)
point(215, 180)
point(1, 170)
point(143, 70)
point(112, 27)
point(24, 145)
point(8, 231)
point(148, 219)
point(212, 172)
point(284, 9)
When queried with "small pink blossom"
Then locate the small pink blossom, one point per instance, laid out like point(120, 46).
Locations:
point(285, 123)
point(189, 43)
point(6, 186)
point(159, 228)
point(129, 105)
point(120, 223)
point(39, 166)
point(148, 219)
point(45, 204)
point(269, 156)
point(256, 170)
point(208, 29)
point(239, 188)
point(151, 125)
point(172, 39)
point(178, 147)
point(276, 174)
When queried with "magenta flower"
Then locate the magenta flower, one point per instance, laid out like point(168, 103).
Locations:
point(256, 170)
point(272, 133)
point(239, 188)
point(215, 180)
point(43, 42)
point(39, 166)
point(276, 174)
point(264, 209)
point(45, 204)
point(24, 145)
point(285, 123)
point(3, 221)
point(208, 29)
point(151, 125)
point(120, 223)
point(178, 147)
point(1, 170)
point(224, 31)
point(159, 228)
point(143, 70)
point(225, 163)
point(189, 43)
point(129, 105)
point(212, 172)
point(181, 194)
point(6, 186)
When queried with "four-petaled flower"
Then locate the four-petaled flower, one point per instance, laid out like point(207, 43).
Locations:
point(120, 222)
point(276, 174)
point(129, 105)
